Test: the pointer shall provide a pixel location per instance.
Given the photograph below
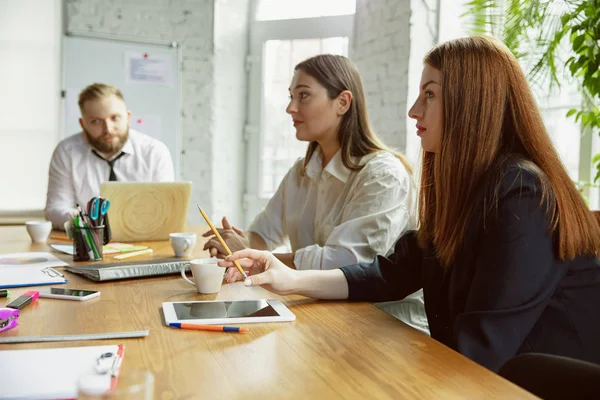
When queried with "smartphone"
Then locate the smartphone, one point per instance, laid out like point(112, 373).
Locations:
point(68, 294)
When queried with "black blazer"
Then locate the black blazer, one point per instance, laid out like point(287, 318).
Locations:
point(506, 292)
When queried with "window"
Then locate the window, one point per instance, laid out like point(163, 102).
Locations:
point(280, 149)
point(269, 10)
point(574, 149)
point(281, 36)
point(29, 100)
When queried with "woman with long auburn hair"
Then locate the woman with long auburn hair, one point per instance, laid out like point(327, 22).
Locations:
point(349, 199)
point(506, 247)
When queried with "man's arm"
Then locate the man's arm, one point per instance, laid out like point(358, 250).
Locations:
point(60, 198)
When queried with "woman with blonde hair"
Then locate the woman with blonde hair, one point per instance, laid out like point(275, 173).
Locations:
point(506, 247)
point(349, 199)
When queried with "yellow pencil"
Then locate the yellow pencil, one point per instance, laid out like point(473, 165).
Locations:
point(216, 232)
point(132, 254)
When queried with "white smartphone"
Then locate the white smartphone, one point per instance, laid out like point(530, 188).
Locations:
point(68, 294)
point(226, 312)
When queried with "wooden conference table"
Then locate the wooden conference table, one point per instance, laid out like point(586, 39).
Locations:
point(332, 350)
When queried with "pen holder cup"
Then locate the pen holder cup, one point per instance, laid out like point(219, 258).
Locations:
point(87, 243)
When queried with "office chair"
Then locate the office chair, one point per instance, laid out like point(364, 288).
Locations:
point(553, 377)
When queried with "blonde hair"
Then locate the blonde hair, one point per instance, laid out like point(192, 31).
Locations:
point(98, 91)
point(336, 74)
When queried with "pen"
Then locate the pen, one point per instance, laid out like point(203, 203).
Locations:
point(114, 373)
point(84, 238)
point(4, 293)
point(214, 328)
point(133, 254)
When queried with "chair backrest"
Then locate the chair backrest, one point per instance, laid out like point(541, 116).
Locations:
point(553, 377)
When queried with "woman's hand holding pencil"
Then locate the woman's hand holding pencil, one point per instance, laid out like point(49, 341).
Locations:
point(216, 232)
point(264, 269)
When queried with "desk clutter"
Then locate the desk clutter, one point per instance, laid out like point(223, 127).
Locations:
point(58, 372)
point(90, 230)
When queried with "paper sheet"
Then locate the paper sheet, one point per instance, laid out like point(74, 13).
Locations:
point(48, 373)
point(29, 269)
point(29, 260)
point(149, 68)
point(110, 248)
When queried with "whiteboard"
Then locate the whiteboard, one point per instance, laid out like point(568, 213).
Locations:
point(154, 103)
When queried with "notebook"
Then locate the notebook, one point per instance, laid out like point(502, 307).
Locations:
point(135, 269)
point(110, 248)
point(53, 373)
point(145, 211)
point(29, 269)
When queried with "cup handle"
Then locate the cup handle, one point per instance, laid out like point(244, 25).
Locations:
point(188, 244)
point(185, 277)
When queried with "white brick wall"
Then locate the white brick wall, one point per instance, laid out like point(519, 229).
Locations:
point(390, 39)
point(212, 51)
point(380, 48)
point(424, 32)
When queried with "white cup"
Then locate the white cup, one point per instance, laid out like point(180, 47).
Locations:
point(182, 243)
point(208, 276)
point(38, 230)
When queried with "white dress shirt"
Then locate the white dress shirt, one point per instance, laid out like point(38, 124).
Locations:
point(334, 216)
point(76, 173)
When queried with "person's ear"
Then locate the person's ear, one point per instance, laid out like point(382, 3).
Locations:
point(128, 117)
point(344, 102)
point(81, 123)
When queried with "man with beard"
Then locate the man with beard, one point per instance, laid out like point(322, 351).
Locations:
point(105, 150)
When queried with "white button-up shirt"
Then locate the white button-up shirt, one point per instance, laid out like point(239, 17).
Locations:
point(76, 173)
point(334, 216)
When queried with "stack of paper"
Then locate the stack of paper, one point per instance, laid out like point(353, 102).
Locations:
point(29, 269)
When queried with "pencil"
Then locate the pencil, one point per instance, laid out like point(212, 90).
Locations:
point(214, 328)
point(216, 232)
point(133, 254)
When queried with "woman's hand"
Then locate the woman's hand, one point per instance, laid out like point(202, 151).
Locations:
point(235, 239)
point(264, 269)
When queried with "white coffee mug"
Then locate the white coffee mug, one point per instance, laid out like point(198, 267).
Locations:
point(208, 276)
point(182, 243)
point(38, 230)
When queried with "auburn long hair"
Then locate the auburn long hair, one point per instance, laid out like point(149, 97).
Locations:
point(336, 74)
point(490, 114)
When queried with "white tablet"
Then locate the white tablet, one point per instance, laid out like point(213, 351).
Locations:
point(226, 312)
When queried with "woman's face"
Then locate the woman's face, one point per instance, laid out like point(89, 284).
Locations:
point(316, 117)
point(427, 110)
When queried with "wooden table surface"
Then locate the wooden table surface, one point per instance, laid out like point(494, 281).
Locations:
point(332, 350)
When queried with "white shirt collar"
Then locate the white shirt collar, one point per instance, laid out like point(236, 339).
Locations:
point(335, 166)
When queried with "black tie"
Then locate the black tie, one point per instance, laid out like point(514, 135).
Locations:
point(112, 176)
